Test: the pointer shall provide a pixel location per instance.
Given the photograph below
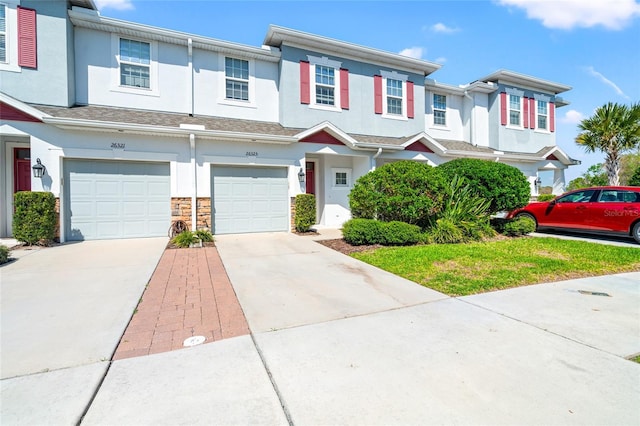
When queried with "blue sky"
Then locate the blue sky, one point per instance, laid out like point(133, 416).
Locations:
point(590, 45)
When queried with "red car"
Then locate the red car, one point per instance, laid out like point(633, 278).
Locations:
point(605, 209)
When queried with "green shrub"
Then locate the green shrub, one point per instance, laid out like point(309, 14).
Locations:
point(204, 235)
point(444, 231)
point(519, 226)
point(400, 234)
point(405, 191)
point(359, 232)
point(465, 210)
point(504, 186)
point(305, 216)
point(546, 197)
point(34, 220)
point(635, 179)
point(185, 239)
point(4, 254)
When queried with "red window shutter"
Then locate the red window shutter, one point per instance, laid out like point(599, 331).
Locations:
point(410, 108)
point(552, 117)
point(27, 48)
point(377, 93)
point(525, 112)
point(503, 108)
point(305, 83)
point(344, 88)
point(532, 113)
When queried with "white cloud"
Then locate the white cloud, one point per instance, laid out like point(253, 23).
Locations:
point(412, 52)
point(114, 4)
point(568, 14)
point(442, 28)
point(606, 81)
point(440, 60)
point(572, 117)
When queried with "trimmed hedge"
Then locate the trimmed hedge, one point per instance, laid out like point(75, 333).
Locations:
point(370, 231)
point(405, 191)
point(519, 227)
point(305, 216)
point(34, 220)
point(505, 186)
point(4, 254)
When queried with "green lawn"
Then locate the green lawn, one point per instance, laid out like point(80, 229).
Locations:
point(463, 269)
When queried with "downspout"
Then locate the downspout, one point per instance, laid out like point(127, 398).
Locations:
point(373, 159)
point(190, 67)
point(194, 195)
point(471, 122)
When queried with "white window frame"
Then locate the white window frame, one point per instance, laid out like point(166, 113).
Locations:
point(11, 36)
point(329, 63)
point(433, 97)
point(394, 75)
point(520, 94)
point(222, 98)
point(334, 176)
point(545, 99)
point(152, 90)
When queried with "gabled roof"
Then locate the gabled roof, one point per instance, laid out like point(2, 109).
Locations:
point(517, 79)
point(12, 109)
point(277, 36)
point(93, 20)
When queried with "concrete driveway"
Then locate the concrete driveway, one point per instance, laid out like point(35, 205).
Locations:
point(64, 310)
point(335, 341)
point(339, 342)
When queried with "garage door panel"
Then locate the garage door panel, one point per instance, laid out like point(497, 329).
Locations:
point(116, 199)
point(249, 199)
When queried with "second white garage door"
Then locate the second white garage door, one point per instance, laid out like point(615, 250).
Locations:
point(249, 199)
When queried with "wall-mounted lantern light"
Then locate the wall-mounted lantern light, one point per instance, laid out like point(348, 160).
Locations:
point(538, 182)
point(301, 176)
point(38, 169)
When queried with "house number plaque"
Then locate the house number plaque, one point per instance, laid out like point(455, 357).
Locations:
point(117, 145)
point(251, 154)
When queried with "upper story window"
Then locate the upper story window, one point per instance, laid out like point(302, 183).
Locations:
point(324, 84)
point(515, 110)
point(439, 110)
point(135, 63)
point(393, 95)
point(543, 113)
point(3, 33)
point(237, 79)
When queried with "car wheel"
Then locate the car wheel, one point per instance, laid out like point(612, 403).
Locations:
point(528, 216)
point(635, 232)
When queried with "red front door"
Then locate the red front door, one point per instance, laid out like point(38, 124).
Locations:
point(311, 178)
point(21, 169)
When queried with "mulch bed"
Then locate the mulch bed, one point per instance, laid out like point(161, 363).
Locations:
point(344, 247)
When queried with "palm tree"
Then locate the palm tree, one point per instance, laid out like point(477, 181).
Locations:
point(613, 129)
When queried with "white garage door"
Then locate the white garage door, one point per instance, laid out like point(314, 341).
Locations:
point(249, 199)
point(116, 199)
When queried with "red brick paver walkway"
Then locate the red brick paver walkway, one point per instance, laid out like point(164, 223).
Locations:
point(188, 295)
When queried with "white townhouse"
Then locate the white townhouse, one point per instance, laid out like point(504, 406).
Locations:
point(138, 126)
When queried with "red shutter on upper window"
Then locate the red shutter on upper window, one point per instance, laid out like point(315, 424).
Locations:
point(27, 48)
point(377, 93)
point(344, 88)
point(552, 117)
point(532, 113)
point(503, 108)
point(525, 112)
point(410, 107)
point(305, 83)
